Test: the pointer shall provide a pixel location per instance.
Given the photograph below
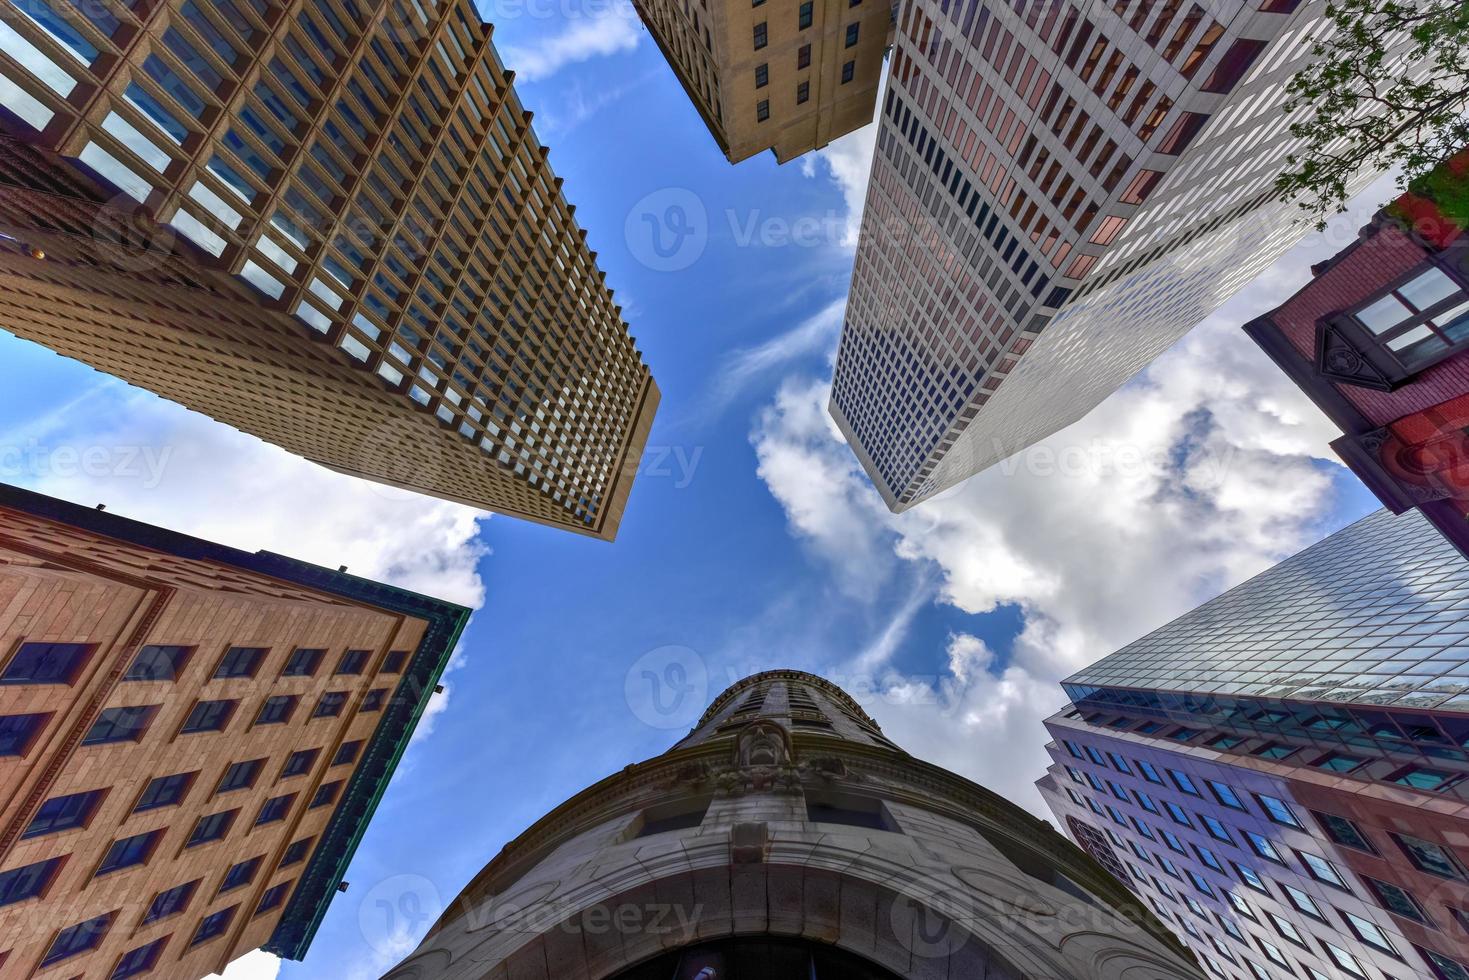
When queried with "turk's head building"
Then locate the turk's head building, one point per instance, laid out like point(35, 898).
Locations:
point(1379, 340)
point(1060, 191)
point(786, 838)
point(1283, 773)
point(327, 224)
point(192, 740)
point(788, 78)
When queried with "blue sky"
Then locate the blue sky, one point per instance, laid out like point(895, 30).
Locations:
point(751, 539)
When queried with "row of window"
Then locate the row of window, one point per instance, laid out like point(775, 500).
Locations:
point(83, 937)
point(131, 722)
point(62, 663)
point(762, 29)
point(1427, 856)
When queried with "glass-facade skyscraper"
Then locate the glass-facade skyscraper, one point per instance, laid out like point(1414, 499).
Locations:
point(1059, 192)
point(1282, 772)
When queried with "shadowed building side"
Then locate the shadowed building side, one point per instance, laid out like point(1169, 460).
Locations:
point(787, 837)
point(330, 226)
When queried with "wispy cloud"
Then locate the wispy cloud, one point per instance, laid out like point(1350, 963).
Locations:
point(607, 31)
point(577, 106)
point(747, 365)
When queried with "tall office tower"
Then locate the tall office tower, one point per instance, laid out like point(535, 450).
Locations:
point(785, 838)
point(327, 224)
point(1059, 192)
point(192, 740)
point(1281, 773)
point(789, 80)
point(1379, 340)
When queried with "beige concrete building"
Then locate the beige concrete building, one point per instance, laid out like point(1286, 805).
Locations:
point(787, 839)
point(789, 77)
point(329, 225)
point(192, 740)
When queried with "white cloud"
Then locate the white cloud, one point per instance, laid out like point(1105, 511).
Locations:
point(254, 965)
point(746, 365)
point(848, 163)
point(596, 33)
point(1204, 471)
point(155, 461)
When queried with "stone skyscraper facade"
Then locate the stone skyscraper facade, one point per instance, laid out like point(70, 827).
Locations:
point(1060, 191)
point(329, 225)
point(1282, 773)
point(786, 838)
point(192, 740)
point(789, 79)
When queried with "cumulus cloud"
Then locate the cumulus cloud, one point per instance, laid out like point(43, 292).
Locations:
point(594, 33)
point(254, 965)
point(847, 162)
point(155, 461)
point(1204, 471)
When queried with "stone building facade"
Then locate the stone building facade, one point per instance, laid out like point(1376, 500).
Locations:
point(192, 740)
point(787, 837)
point(788, 78)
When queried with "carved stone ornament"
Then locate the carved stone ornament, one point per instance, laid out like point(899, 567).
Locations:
point(1338, 359)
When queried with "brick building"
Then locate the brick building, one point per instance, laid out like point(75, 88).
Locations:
point(328, 225)
point(192, 740)
point(786, 838)
point(1379, 340)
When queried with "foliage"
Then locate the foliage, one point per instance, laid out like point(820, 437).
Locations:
point(1387, 87)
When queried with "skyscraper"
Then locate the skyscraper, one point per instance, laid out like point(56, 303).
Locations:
point(329, 225)
point(192, 740)
point(789, 80)
point(1282, 772)
point(1059, 192)
point(785, 838)
point(1379, 340)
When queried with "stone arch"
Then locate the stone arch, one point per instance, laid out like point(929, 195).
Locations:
point(617, 932)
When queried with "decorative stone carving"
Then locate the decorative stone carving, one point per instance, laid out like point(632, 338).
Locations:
point(1339, 359)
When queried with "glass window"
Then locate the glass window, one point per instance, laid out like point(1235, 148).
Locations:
point(1343, 831)
point(1419, 777)
point(1249, 877)
point(804, 17)
point(275, 809)
point(239, 662)
point(299, 762)
point(1397, 900)
point(158, 663)
point(64, 813)
point(239, 875)
point(762, 35)
point(353, 662)
point(1343, 959)
point(170, 901)
point(849, 71)
point(240, 775)
point(46, 663)
point(213, 925)
point(1183, 782)
point(296, 852)
point(1215, 829)
point(1420, 320)
point(1303, 902)
point(326, 795)
point(164, 791)
point(18, 731)
point(140, 960)
point(303, 663)
point(1149, 771)
point(211, 828)
point(1263, 847)
point(330, 705)
point(1369, 933)
point(120, 725)
point(1225, 794)
point(276, 710)
point(19, 884)
point(393, 663)
point(1322, 870)
point(762, 76)
point(374, 699)
point(274, 896)
point(80, 938)
point(1278, 811)
point(208, 716)
point(129, 851)
point(1430, 857)
point(852, 31)
point(347, 753)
